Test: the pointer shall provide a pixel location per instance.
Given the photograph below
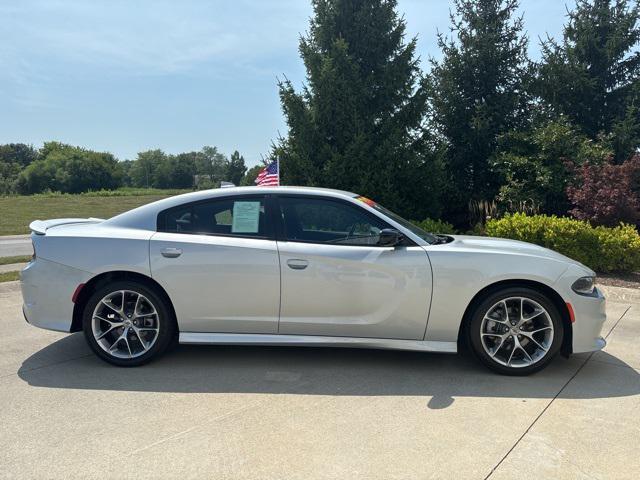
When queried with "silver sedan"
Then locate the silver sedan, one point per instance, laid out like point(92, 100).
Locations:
point(303, 266)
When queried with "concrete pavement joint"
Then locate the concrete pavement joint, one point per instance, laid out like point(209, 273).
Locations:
point(617, 322)
point(188, 430)
point(538, 417)
point(553, 399)
point(219, 418)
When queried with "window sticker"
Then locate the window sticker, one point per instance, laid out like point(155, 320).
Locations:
point(246, 216)
point(366, 200)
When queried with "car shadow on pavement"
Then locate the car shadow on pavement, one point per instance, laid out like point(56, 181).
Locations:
point(68, 363)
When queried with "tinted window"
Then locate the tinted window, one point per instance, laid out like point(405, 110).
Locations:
point(243, 217)
point(326, 221)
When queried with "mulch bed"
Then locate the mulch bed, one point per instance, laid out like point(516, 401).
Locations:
point(626, 280)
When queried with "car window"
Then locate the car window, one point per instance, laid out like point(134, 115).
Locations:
point(243, 217)
point(427, 237)
point(321, 220)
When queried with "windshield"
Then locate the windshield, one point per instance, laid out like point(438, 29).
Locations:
point(426, 236)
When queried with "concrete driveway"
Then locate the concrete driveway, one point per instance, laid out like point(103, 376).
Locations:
point(304, 413)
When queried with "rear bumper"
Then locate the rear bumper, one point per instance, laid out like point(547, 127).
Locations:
point(47, 288)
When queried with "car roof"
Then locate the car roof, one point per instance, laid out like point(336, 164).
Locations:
point(145, 217)
point(281, 189)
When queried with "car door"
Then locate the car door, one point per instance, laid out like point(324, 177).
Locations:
point(337, 281)
point(218, 261)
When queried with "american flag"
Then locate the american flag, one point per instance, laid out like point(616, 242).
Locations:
point(269, 176)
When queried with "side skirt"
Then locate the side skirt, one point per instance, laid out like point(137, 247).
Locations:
point(197, 338)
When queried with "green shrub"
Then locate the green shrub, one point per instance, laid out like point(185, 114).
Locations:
point(601, 248)
point(120, 192)
point(436, 226)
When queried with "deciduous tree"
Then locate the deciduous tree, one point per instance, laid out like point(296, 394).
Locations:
point(65, 168)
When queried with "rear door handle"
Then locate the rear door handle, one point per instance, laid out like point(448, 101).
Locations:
point(297, 263)
point(171, 252)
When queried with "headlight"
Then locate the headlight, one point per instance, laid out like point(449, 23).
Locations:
point(584, 285)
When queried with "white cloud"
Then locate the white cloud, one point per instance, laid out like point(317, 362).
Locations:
point(146, 37)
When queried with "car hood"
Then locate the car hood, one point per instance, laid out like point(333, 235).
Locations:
point(507, 246)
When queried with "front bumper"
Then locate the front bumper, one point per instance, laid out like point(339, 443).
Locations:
point(47, 288)
point(589, 311)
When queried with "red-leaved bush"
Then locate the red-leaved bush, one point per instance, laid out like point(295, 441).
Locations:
point(606, 194)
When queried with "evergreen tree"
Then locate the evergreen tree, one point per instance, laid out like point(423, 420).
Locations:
point(236, 168)
point(593, 76)
point(357, 123)
point(477, 93)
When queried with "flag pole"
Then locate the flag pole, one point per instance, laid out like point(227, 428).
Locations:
point(278, 165)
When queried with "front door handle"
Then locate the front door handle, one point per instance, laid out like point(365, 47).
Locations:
point(171, 252)
point(297, 263)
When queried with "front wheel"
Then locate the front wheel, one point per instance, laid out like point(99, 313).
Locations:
point(516, 331)
point(126, 323)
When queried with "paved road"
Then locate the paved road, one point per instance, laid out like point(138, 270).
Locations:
point(15, 245)
point(277, 413)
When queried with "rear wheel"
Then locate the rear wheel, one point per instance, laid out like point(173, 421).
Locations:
point(516, 331)
point(126, 323)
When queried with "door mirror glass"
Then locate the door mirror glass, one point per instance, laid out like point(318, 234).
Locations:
point(389, 237)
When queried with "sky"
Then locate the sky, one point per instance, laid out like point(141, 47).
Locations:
point(128, 76)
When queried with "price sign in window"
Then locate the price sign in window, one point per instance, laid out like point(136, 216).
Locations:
point(246, 216)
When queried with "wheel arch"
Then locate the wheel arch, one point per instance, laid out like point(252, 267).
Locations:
point(567, 341)
point(107, 277)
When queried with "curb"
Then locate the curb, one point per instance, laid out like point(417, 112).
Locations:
point(15, 237)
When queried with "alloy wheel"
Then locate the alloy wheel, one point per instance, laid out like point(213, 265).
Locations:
point(125, 324)
point(517, 332)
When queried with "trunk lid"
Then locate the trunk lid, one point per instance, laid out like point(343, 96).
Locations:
point(40, 227)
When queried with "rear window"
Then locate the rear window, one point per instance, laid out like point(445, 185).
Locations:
point(231, 216)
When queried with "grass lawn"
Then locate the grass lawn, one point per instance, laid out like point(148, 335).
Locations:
point(9, 276)
point(16, 212)
point(16, 259)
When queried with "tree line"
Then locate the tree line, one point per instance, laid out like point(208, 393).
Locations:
point(485, 130)
point(65, 168)
point(479, 131)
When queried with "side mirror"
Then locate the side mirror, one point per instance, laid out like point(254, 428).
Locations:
point(389, 237)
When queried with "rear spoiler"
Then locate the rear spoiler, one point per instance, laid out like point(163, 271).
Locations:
point(40, 227)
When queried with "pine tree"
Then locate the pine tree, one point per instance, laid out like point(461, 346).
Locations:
point(236, 168)
point(593, 76)
point(477, 93)
point(357, 123)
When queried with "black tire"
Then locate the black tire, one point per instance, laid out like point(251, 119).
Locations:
point(164, 320)
point(542, 358)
